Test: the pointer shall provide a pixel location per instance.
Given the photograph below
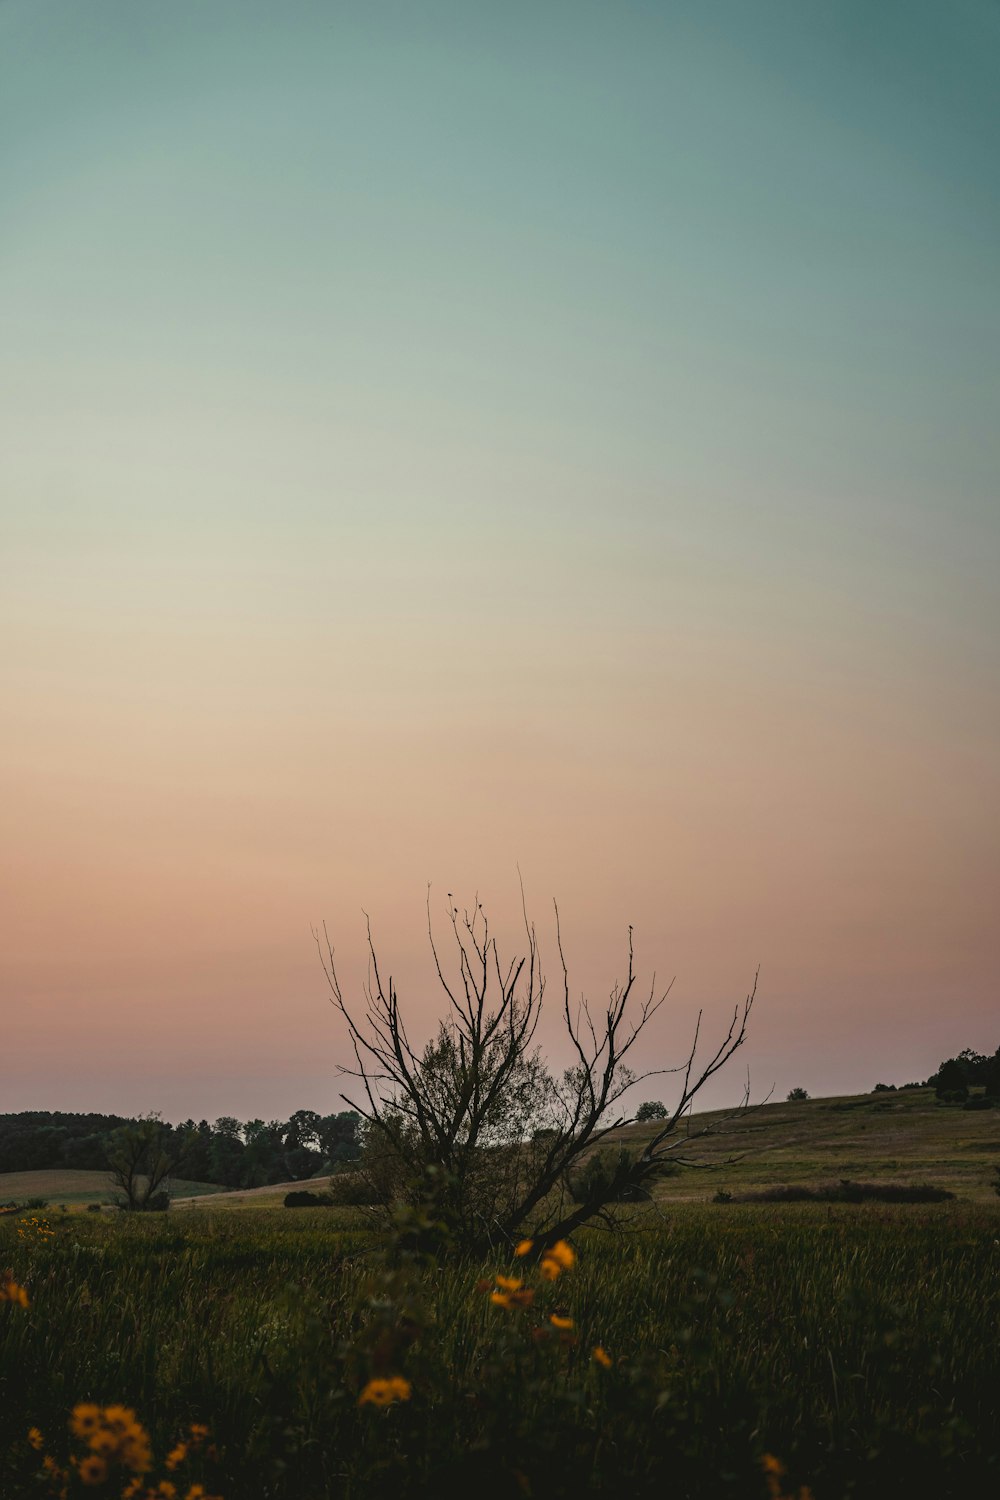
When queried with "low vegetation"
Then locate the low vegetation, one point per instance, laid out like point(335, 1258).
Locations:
point(720, 1353)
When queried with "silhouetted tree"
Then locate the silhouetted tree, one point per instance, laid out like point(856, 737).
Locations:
point(794, 1096)
point(476, 1113)
point(951, 1079)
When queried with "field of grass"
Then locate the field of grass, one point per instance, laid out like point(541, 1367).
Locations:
point(858, 1344)
point(62, 1185)
point(902, 1136)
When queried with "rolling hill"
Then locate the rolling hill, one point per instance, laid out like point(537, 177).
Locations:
point(65, 1186)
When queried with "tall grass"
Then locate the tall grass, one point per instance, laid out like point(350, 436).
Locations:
point(857, 1343)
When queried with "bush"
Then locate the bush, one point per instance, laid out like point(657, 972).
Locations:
point(94, 1208)
point(794, 1096)
point(952, 1096)
point(884, 1088)
point(980, 1101)
point(596, 1179)
point(846, 1191)
point(302, 1198)
point(357, 1190)
point(651, 1110)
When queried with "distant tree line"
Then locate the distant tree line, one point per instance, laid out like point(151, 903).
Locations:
point(230, 1152)
point(957, 1076)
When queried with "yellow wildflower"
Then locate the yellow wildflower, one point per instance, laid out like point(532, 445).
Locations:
point(198, 1431)
point(385, 1392)
point(601, 1357)
point(524, 1247)
point(10, 1291)
point(176, 1456)
point(510, 1283)
point(136, 1453)
point(501, 1299)
point(35, 1439)
point(563, 1253)
point(93, 1470)
point(121, 1419)
point(550, 1269)
point(85, 1419)
point(561, 1323)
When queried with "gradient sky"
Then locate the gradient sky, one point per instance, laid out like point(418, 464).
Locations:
point(439, 438)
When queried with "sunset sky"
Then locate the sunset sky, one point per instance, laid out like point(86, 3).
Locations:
point(443, 439)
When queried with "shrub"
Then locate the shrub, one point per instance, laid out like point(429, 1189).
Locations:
point(302, 1198)
point(979, 1101)
point(794, 1096)
point(651, 1110)
point(356, 1190)
point(602, 1176)
point(94, 1208)
point(847, 1191)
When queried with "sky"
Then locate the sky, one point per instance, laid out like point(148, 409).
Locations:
point(450, 444)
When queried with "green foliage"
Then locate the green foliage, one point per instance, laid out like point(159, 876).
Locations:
point(604, 1177)
point(652, 1109)
point(795, 1095)
point(142, 1157)
point(302, 1198)
point(229, 1153)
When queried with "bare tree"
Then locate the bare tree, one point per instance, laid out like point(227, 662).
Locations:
point(477, 1112)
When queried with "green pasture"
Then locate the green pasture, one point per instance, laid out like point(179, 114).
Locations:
point(67, 1186)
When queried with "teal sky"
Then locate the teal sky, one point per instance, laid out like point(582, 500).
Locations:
point(443, 436)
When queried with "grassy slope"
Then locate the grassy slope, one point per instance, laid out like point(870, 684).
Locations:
point(894, 1137)
point(61, 1185)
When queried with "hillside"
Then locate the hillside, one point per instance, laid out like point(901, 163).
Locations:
point(903, 1136)
point(64, 1185)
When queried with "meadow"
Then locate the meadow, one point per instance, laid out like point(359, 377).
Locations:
point(716, 1350)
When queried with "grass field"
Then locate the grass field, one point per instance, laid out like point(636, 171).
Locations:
point(62, 1185)
point(892, 1137)
point(902, 1136)
point(857, 1344)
